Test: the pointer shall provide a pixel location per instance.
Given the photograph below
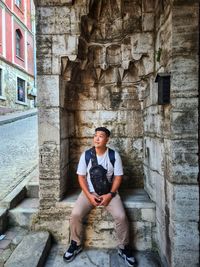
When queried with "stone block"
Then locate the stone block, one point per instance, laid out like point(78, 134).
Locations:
point(23, 214)
point(184, 236)
point(148, 215)
point(148, 22)
point(44, 65)
point(49, 122)
point(56, 65)
point(57, 19)
point(50, 189)
point(154, 151)
point(64, 153)
point(63, 45)
point(153, 120)
point(44, 45)
point(184, 258)
point(141, 43)
point(48, 90)
point(184, 104)
point(184, 76)
point(183, 202)
point(161, 238)
point(185, 122)
point(186, 15)
point(160, 191)
point(3, 220)
point(65, 124)
point(49, 163)
point(148, 5)
point(141, 234)
point(39, 246)
point(54, 2)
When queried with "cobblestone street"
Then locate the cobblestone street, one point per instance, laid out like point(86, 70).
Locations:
point(18, 152)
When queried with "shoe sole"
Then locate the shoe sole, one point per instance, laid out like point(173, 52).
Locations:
point(75, 254)
point(124, 258)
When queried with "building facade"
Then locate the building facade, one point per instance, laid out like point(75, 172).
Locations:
point(17, 63)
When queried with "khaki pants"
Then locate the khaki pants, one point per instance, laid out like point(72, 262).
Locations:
point(115, 208)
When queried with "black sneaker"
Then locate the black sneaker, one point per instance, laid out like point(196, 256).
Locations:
point(127, 255)
point(72, 251)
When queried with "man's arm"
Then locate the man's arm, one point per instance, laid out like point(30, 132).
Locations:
point(83, 184)
point(105, 199)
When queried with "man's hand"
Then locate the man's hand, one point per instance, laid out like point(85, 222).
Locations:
point(105, 200)
point(94, 200)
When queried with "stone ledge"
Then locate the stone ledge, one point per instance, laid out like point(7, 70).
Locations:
point(132, 198)
point(99, 225)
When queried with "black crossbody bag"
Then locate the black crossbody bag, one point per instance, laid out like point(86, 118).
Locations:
point(98, 176)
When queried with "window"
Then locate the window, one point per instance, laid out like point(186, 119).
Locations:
point(1, 91)
point(18, 3)
point(18, 43)
point(21, 96)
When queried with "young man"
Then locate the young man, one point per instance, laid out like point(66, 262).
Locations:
point(89, 199)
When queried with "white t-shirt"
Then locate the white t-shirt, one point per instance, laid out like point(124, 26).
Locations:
point(104, 161)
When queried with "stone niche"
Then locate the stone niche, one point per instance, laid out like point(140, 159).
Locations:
point(106, 83)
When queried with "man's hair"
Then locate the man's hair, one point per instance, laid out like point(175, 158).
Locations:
point(103, 129)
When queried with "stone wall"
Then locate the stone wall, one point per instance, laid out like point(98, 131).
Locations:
point(94, 68)
point(104, 85)
point(9, 87)
point(94, 63)
point(170, 134)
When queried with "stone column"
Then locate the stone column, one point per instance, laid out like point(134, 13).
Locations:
point(57, 37)
point(171, 144)
point(182, 187)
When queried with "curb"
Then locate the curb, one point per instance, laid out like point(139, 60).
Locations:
point(4, 119)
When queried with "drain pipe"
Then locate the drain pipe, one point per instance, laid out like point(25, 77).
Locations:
point(198, 179)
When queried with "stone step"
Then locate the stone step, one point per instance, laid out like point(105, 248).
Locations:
point(20, 191)
point(9, 241)
point(33, 185)
point(100, 257)
point(23, 214)
point(3, 220)
point(33, 189)
point(32, 251)
point(100, 226)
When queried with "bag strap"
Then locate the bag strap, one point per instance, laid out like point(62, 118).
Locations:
point(88, 155)
point(111, 154)
point(93, 156)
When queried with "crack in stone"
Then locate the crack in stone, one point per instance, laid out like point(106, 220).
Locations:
point(91, 260)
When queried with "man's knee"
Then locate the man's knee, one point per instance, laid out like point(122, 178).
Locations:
point(76, 215)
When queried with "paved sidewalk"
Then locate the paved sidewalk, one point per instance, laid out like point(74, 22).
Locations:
point(18, 148)
point(9, 117)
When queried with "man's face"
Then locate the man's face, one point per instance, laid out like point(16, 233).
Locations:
point(100, 139)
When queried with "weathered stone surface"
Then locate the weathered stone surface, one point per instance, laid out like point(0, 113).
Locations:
point(49, 122)
point(3, 220)
point(111, 52)
point(148, 22)
point(154, 156)
point(182, 200)
point(54, 2)
point(9, 87)
point(38, 245)
point(48, 87)
point(57, 19)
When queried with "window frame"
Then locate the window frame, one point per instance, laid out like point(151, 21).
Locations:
point(18, 101)
point(18, 3)
point(2, 84)
point(18, 43)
